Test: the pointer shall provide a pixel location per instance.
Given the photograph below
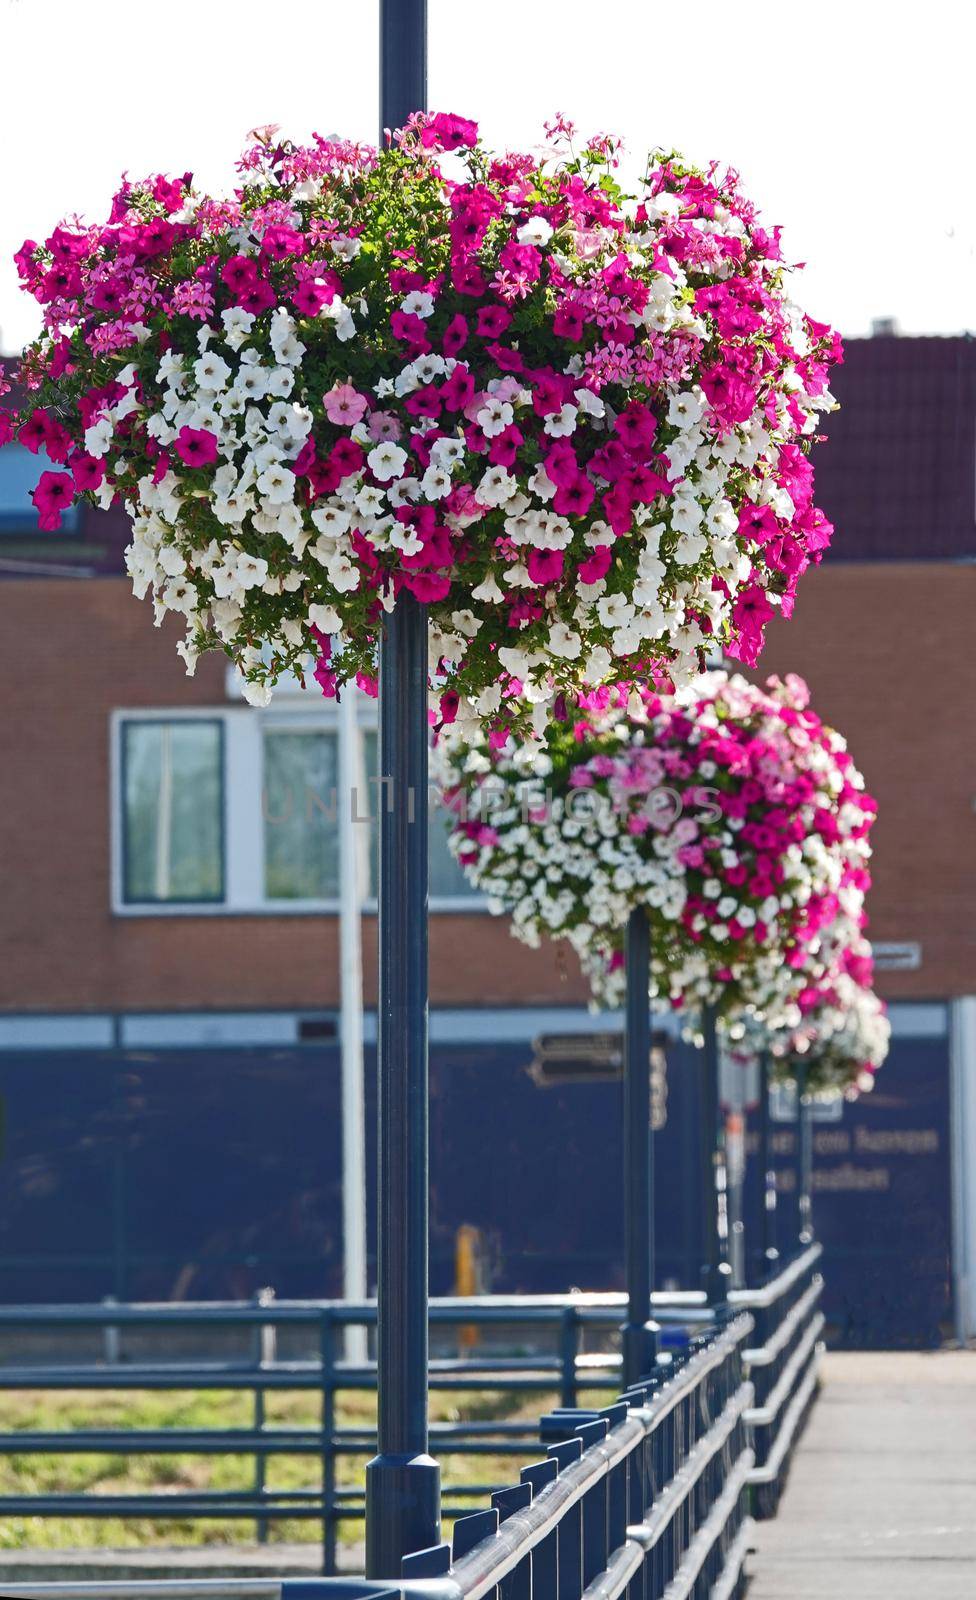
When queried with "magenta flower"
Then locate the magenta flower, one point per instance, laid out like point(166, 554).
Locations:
point(545, 566)
point(53, 494)
point(196, 446)
point(240, 272)
point(597, 565)
point(446, 131)
point(87, 471)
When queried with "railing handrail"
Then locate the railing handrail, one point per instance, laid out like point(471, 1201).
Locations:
point(483, 1568)
point(694, 1369)
point(445, 1309)
point(151, 1589)
point(767, 1397)
point(761, 1299)
point(764, 1354)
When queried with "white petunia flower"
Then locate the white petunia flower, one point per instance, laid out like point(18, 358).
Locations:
point(494, 417)
point(488, 590)
point(686, 409)
point(98, 437)
point(211, 371)
point(237, 325)
point(563, 642)
point(277, 484)
point(325, 618)
point(251, 571)
point(418, 304)
point(560, 424)
point(387, 460)
point(435, 483)
point(535, 231)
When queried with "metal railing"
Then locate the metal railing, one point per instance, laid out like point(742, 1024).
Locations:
point(656, 1487)
point(648, 1496)
point(783, 1366)
point(561, 1321)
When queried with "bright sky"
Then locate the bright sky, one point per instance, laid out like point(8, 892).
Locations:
point(850, 120)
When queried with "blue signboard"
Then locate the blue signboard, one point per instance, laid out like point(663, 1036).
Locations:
point(211, 1173)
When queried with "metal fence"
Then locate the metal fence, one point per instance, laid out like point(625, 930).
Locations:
point(660, 1451)
point(551, 1332)
point(648, 1495)
point(783, 1367)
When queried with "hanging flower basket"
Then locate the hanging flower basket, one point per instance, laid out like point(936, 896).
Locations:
point(842, 1037)
point(729, 811)
point(572, 420)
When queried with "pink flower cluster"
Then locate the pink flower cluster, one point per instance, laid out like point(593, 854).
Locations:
point(572, 421)
point(731, 812)
point(842, 1036)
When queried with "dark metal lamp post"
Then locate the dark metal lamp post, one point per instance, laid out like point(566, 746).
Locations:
point(639, 1333)
point(403, 1481)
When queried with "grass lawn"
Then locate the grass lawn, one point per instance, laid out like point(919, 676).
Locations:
point(38, 1411)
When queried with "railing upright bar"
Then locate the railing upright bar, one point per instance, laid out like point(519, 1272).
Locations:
point(640, 1334)
point(260, 1464)
point(804, 1138)
point(768, 1254)
point(569, 1332)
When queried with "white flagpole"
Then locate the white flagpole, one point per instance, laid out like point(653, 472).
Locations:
point(353, 842)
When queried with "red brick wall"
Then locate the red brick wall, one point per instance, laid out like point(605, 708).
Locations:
point(888, 652)
point(872, 640)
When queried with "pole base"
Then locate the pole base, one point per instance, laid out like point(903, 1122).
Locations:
point(640, 1344)
point(403, 1511)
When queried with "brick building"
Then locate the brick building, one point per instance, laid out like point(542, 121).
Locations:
point(153, 902)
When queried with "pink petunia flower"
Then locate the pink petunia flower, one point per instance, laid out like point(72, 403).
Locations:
point(53, 494)
point(344, 405)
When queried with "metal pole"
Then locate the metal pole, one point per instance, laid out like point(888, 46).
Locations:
point(639, 1332)
point(352, 839)
point(804, 1158)
point(768, 1254)
point(402, 1481)
point(715, 1270)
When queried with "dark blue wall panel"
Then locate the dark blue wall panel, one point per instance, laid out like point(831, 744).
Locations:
point(207, 1174)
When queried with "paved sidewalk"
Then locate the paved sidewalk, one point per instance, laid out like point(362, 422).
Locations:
point(98, 1565)
point(881, 1498)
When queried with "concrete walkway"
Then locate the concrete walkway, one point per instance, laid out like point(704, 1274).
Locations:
point(881, 1498)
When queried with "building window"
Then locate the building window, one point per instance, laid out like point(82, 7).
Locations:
point(237, 811)
point(20, 472)
point(172, 808)
point(301, 846)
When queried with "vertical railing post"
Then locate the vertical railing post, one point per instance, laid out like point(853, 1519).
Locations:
point(715, 1270)
point(640, 1334)
point(264, 1354)
point(768, 1254)
point(402, 1481)
point(804, 1158)
point(569, 1332)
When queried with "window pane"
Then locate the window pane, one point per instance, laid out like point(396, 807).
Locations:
point(301, 855)
point(172, 777)
point(446, 875)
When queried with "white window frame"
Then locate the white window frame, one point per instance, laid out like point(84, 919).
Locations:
point(243, 831)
